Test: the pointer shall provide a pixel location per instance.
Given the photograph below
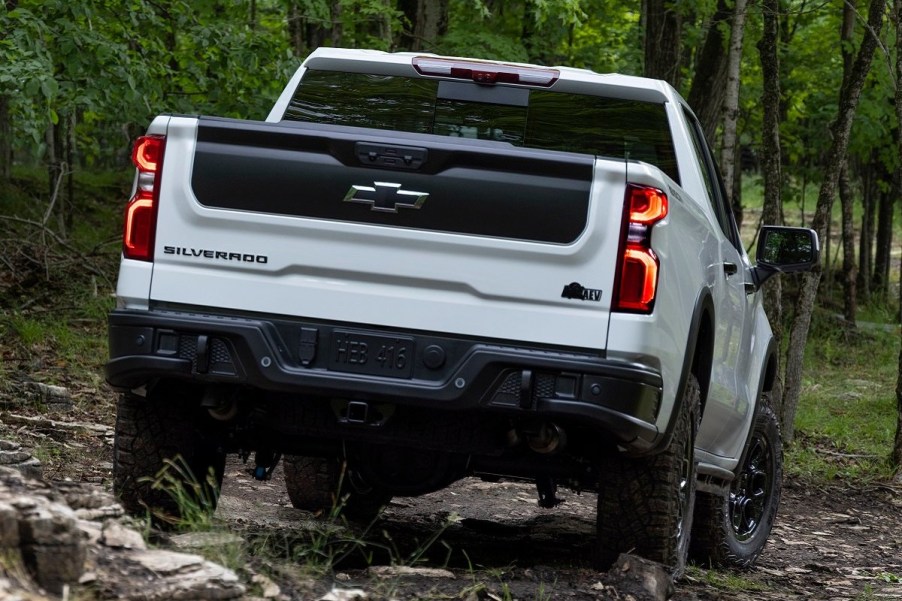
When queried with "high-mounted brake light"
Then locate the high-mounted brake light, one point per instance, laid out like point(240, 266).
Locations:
point(141, 211)
point(486, 72)
point(636, 282)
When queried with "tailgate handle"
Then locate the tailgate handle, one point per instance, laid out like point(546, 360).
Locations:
point(382, 155)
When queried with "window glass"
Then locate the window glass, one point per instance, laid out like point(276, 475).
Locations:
point(621, 129)
point(363, 100)
point(480, 121)
point(602, 126)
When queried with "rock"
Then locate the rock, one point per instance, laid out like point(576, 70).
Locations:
point(52, 538)
point(50, 542)
point(640, 579)
point(202, 540)
point(55, 398)
point(13, 455)
point(114, 534)
point(270, 589)
point(345, 594)
point(396, 571)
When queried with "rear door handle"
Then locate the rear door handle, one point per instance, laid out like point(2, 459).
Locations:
point(730, 268)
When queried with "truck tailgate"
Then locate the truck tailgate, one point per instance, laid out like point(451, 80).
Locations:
point(388, 229)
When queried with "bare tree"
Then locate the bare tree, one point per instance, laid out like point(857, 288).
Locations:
point(709, 82)
point(731, 99)
point(897, 18)
point(427, 21)
point(6, 149)
point(840, 130)
point(845, 186)
point(771, 165)
point(663, 35)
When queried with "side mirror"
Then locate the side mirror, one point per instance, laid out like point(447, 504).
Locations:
point(784, 250)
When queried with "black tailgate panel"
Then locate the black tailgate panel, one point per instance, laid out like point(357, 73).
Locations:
point(472, 187)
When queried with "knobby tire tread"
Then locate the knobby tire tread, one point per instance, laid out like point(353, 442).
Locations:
point(638, 498)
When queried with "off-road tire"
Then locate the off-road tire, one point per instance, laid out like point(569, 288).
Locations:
point(166, 424)
point(317, 484)
point(645, 505)
point(732, 530)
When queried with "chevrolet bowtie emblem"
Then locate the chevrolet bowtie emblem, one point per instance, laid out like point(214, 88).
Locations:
point(386, 197)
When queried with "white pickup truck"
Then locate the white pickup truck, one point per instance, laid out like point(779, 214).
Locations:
point(423, 268)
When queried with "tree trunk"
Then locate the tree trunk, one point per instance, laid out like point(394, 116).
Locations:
point(706, 96)
point(771, 165)
point(427, 21)
point(295, 26)
point(337, 30)
point(836, 156)
point(663, 35)
point(6, 148)
point(864, 240)
point(731, 98)
point(847, 32)
point(884, 240)
point(849, 269)
point(897, 17)
point(385, 33)
point(528, 30)
point(736, 185)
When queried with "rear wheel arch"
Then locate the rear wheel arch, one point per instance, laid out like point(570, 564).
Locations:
point(769, 377)
point(699, 357)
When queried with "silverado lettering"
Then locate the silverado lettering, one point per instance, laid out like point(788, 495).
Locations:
point(214, 254)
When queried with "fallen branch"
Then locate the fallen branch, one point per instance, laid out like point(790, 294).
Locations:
point(43, 423)
point(844, 455)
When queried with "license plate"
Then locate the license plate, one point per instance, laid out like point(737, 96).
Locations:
point(370, 354)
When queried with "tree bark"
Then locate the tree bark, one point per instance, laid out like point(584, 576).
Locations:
point(528, 29)
point(385, 33)
point(663, 41)
point(6, 135)
point(845, 186)
point(731, 98)
point(836, 156)
point(706, 96)
point(849, 268)
point(771, 166)
point(337, 29)
point(6, 148)
point(295, 24)
point(864, 236)
point(428, 20)
point(884, 239)
point(897, 18)
point(736, 185)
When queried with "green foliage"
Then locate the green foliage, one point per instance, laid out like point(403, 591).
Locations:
point(195, 498)
point(847, 416)
point(727, 581)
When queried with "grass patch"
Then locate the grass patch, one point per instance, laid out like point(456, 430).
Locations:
point(847, 414)
point(725, 580)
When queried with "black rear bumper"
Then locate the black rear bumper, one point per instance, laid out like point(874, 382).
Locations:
point(309, 358)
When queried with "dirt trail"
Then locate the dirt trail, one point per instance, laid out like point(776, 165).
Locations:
point(831, 543)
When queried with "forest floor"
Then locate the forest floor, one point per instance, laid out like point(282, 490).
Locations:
point(477, 541)
point(830, 542)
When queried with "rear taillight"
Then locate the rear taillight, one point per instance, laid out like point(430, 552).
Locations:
point(141, 211)
point(636, 283)
point(485, 72)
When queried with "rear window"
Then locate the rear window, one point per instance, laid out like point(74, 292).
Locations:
point(533, 118)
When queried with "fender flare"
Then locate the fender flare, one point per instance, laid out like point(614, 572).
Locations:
point(767, 376)
point(697, 359)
